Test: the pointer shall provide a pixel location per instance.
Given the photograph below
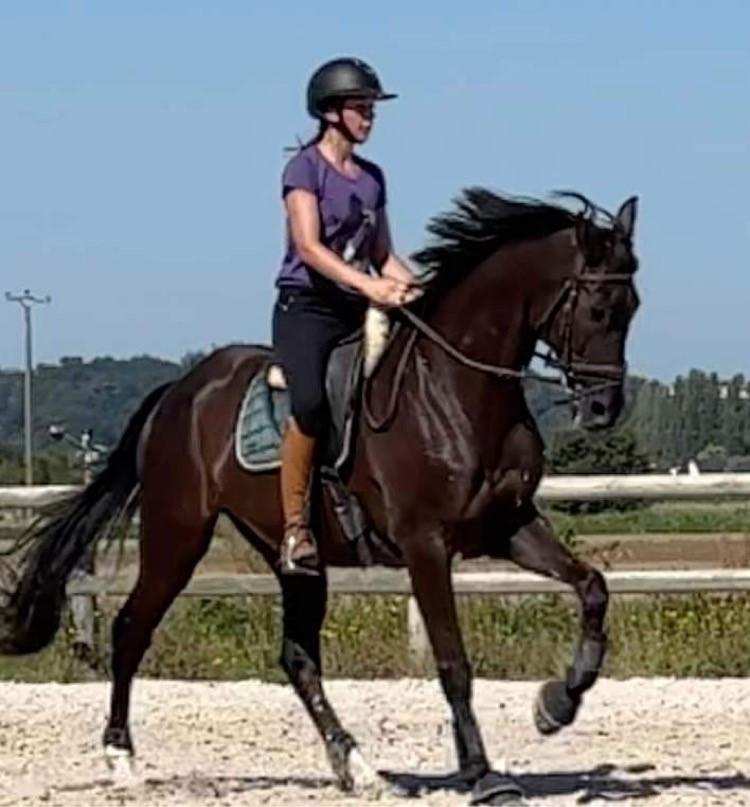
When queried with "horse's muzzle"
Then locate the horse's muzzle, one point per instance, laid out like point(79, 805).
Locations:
point(599, 409)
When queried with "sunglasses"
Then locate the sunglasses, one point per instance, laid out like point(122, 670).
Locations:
point(364, 108)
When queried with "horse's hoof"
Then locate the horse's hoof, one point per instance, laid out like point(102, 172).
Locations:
point(363, 777)
point(495, 789)
point(352, 771)
point(554, 708)
point(122, 764)
point(338, 758)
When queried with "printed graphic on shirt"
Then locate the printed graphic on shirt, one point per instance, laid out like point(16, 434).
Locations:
point(351, 238)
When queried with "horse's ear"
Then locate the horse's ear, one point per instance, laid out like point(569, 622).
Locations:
point(626, 216)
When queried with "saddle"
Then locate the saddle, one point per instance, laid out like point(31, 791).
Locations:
point(265, 409)
point(265, 406)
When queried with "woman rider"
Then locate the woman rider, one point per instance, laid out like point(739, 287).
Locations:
point(337, 234)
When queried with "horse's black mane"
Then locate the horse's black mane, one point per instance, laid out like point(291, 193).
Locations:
point(483, 221)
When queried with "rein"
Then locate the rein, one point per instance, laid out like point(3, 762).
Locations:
point(573, 367)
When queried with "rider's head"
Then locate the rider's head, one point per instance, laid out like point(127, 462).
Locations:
point(342, 94)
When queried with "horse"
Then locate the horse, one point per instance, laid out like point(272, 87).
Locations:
point(446, 460)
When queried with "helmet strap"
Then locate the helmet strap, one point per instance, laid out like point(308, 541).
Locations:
point(339, 124)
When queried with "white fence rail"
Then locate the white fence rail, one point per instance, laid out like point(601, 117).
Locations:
point(553, 488)
point(32, 496)
point(396, 581)
point(392, 581)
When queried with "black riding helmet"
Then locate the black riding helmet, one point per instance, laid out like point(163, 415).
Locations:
point(340, 79)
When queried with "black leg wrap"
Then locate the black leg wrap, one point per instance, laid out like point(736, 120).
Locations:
point(557, 704)
point(461, 752)
point(471, 770)
point(586, 664)
point(118, 738)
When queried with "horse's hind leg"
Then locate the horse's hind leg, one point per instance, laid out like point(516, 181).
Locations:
point(304, 600)
point(169, 555)
point(537, 548)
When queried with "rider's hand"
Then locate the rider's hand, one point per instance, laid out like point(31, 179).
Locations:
point(387, 292)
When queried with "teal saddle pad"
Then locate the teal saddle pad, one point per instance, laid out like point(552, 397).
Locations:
point(260, 425)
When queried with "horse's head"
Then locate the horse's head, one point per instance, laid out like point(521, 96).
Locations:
point(588, 321)
point(571, 279)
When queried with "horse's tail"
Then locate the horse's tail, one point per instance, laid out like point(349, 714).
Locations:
point(30, 613)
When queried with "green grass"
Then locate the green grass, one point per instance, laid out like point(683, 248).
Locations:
point(660, 517)
point(365, 637)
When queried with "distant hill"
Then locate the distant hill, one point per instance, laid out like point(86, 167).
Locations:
point(98, 394)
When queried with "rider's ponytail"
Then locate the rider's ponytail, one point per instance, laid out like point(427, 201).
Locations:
point(311, 142)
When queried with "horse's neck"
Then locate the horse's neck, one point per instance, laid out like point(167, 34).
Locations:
point(493, 316)
point(487, 314)
point(554, 264)
point(500, 307)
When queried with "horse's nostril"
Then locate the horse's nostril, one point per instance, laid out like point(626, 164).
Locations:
point(598, 408)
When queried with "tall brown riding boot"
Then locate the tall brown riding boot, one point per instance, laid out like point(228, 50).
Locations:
point(299, 552)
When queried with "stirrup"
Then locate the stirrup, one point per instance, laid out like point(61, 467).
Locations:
point(307, 564)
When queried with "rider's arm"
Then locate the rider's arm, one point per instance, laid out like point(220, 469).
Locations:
point(384, 259)
point(304, 223)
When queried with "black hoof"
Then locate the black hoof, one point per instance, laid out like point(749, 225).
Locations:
point(494, 788)
point(554, 708)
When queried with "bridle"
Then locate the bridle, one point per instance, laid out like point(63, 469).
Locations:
point(575, 368)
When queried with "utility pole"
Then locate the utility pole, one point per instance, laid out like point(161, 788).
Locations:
point(27, 301)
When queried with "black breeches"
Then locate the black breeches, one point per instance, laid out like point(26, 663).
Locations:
point(306, 328)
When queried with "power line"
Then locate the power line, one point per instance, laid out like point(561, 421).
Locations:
point(27, 300)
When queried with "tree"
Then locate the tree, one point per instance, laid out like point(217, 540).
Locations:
point(100, 394)
point(611, 452)
point(712, 457)
point(191, 358)
point(735, 417)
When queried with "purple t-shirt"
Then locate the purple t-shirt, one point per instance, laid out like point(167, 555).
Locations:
point(349, 213)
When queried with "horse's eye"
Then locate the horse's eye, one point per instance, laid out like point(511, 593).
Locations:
point(597, 314)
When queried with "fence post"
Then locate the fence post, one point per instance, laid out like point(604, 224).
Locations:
point(83, 606)
point(419, 643)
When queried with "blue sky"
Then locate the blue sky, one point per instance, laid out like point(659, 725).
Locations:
point(142, 145)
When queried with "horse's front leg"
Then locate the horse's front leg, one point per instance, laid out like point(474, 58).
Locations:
point(536, 547)
point(304, 600)
point(429, 568)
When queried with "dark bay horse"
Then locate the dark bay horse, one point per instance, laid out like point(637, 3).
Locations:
point(446, 461)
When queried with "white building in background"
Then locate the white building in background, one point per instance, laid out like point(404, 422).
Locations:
point(744, 393)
